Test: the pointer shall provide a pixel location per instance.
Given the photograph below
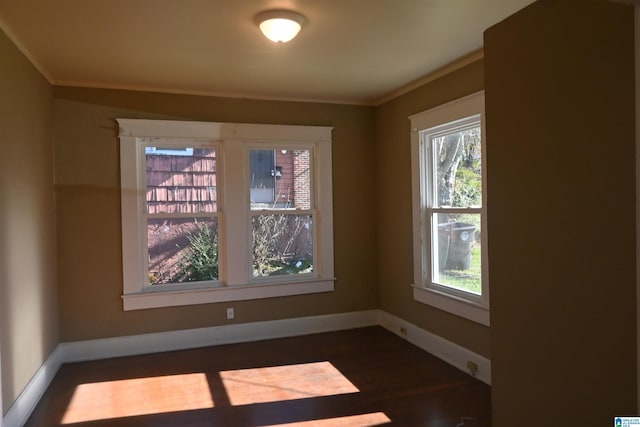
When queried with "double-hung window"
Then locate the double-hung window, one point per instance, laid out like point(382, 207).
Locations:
point(216, 212)
point(449, 208)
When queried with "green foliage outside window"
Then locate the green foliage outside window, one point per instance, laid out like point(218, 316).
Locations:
point(201, 260)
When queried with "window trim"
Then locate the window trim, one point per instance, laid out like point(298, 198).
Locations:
point(231, 140)
point(460, 303)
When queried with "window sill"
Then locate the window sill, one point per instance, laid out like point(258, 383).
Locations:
point(143, 300)
point(460, 307)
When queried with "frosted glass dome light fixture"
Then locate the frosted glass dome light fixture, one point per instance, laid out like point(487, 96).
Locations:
point(280, 26)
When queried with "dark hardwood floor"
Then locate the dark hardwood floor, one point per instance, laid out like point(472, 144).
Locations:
point(360, 377)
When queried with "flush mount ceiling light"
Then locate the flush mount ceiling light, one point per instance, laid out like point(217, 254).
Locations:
point(280, 26)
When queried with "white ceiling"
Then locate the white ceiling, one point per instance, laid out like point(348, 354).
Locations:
point(350, 51)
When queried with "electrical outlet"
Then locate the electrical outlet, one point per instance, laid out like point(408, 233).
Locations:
point(472, 367)
point(230, 313)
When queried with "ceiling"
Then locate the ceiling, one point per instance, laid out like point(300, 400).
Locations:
point(349, 51)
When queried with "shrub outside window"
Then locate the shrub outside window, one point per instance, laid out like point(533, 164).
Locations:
point(449, 214)
point(217, 211)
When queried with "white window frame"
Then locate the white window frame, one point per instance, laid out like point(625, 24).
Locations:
point(464, 304)
point(232, 142)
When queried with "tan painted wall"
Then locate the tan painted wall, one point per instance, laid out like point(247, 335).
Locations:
point(394, 229)
point(28, 307)
point(87, 190)
point(560, 159)
point(576, 347)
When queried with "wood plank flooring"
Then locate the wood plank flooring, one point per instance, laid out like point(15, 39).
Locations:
point(359, 378)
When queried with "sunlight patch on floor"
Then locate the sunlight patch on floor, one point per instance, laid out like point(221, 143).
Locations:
point(288, 382)
point(138, 396)
point(363, 420)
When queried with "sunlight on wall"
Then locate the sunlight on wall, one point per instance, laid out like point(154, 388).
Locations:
point(139, 396)
point(278, 383)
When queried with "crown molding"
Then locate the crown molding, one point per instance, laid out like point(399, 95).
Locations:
point(21, 47)
point(440, 72)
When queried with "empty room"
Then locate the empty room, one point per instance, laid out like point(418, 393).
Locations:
point(319, 213)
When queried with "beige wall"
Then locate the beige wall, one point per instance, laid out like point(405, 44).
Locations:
point(28, 307)
point(87, 191)
point(560, 158)
point(394, 229)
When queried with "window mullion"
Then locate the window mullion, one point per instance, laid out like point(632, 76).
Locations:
point(456, 210)
point(282, 212)
point(236, 206)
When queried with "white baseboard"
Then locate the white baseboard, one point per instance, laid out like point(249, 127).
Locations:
point(106, 348)
point(19, 412)
point(216, 335)
point(448, 351)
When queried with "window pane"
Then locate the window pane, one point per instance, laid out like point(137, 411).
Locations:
point(282, 244)
point(181, 180)
point(457, 251)
point(182, 250)
point(458, 169)
point(280, 179)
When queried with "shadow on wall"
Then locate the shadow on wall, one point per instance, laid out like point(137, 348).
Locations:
point(27, 292)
